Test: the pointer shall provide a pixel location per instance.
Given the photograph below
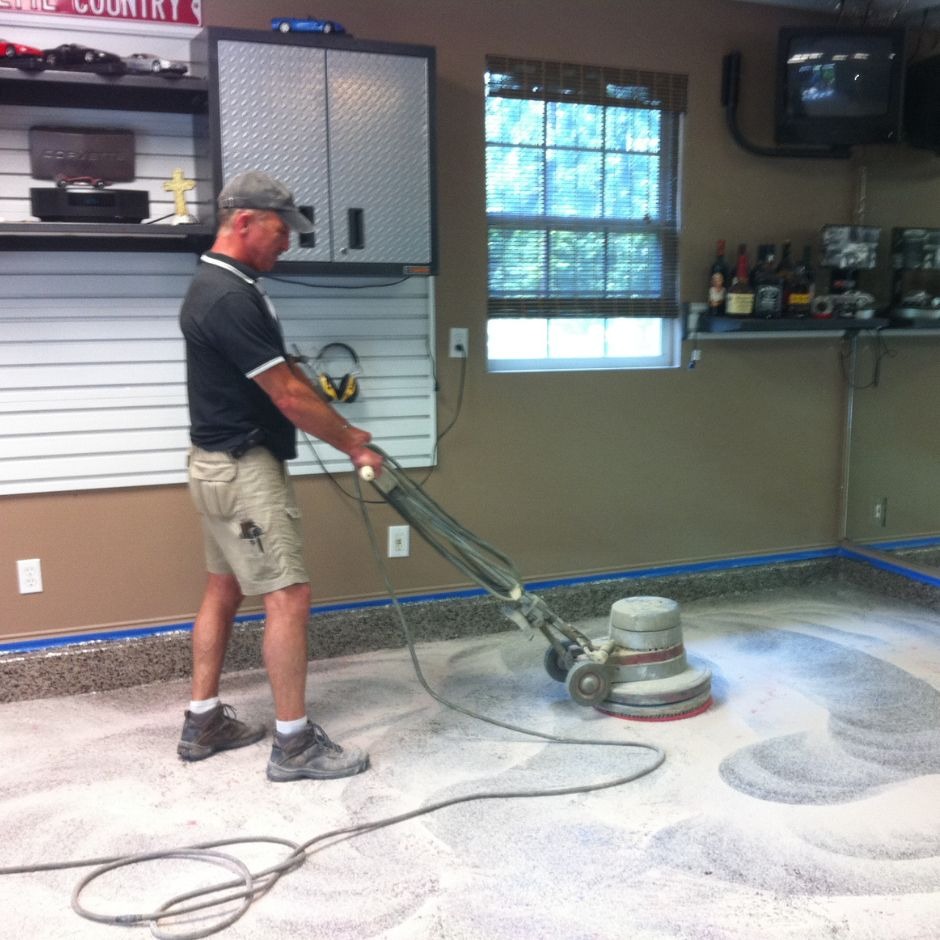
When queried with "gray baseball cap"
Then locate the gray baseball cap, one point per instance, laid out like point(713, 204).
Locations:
point(257, 190)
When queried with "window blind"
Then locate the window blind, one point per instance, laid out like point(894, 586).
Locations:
point(582, 179)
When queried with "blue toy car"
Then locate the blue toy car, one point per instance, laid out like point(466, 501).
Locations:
point(305, 24)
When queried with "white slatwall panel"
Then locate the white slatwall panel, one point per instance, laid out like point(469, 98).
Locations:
point(92, 373)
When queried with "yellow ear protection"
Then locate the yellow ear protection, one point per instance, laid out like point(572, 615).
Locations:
point(345, 388)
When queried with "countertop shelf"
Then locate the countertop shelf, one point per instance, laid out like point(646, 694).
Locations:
point(713, 324)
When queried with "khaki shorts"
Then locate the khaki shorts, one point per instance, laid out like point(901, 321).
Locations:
point(250, 518)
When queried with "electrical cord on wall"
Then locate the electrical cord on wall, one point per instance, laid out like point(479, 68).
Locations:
point(296, 283)
point(457, 409)
point(879, 350)
point(495, 572)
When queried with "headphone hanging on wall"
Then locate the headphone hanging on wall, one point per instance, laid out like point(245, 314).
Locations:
point(345, 388)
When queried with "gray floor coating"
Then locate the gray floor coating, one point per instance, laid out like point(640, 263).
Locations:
point(804, 803)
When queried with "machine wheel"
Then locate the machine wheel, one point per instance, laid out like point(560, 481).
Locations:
point(587, 682)
point(557, 667)
point(284, 27)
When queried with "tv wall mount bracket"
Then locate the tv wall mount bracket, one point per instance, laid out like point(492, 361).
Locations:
point(730, 87)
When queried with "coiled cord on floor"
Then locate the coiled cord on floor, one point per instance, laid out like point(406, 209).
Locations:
point(485, 565)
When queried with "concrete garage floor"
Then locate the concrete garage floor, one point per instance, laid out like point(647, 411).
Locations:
point(804, 803)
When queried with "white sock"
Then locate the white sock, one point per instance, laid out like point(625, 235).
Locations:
point(292, 726)
point(202, 706)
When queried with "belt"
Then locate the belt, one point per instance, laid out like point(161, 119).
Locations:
point(254, 439)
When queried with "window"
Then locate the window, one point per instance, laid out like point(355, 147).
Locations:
point(582, 168)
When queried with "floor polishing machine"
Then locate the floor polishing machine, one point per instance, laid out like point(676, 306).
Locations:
point(638, 671)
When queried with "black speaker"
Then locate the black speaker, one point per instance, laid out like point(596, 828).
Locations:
point(91, 205)
point(344, 388)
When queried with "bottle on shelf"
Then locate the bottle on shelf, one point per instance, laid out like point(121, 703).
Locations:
point(718, 281)
point(767, 291)
point(739, 301)
point(802, 286)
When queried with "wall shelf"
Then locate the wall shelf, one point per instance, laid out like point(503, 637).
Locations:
point(785, 325)
point(103, 236)
point(52, 88)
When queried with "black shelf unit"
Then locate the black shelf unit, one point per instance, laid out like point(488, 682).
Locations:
point(91, 91)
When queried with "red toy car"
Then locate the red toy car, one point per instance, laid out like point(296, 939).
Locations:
point(20, 56)
point(64, 182)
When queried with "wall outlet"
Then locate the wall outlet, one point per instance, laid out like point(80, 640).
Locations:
point(459, 343)
point(880, 511)
point(29, 574)
point(399, 541)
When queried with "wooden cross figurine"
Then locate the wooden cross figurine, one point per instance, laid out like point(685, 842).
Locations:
point(178, 184)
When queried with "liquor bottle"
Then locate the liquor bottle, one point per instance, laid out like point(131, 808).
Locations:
point(767, 292)
point(718, 279)
point(739, 301)
point(802, 286)
point(785, 275)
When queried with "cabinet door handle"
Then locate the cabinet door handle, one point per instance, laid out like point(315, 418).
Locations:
point(308, 239)
point(357, 229)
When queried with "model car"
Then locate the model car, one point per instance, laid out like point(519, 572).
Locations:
point(154, 64)
point(20, 56)
point(305, 24)
point(71, 55)
point(63, 182)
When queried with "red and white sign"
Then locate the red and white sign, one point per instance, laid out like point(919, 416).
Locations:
point(183, 12)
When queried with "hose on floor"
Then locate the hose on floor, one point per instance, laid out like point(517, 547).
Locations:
point(231, 899)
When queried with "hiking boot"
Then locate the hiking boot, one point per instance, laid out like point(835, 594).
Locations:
point(310, 753)
point(216, 730)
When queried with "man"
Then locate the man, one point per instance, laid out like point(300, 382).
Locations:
point(246, 398)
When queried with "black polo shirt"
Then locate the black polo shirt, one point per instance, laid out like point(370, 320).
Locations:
point(231, 336)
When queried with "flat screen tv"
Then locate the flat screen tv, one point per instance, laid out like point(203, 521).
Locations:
point(838, 86)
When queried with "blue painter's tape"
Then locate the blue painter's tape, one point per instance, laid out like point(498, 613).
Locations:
point(691, 568)
point(892, 567)
point(925, 542)
point(664, 571)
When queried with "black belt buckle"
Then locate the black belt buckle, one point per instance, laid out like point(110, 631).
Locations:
point(252, 440)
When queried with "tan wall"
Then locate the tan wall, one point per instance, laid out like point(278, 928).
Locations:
point(568, 474)
point(895, 448)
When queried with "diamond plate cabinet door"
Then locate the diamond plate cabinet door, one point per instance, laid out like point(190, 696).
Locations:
point(379, 157)
point(348, 126)
point(272, 117)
